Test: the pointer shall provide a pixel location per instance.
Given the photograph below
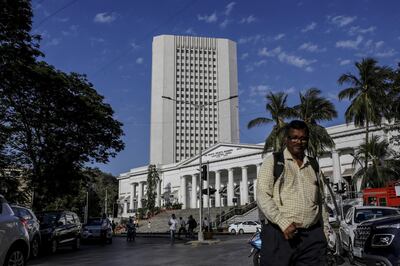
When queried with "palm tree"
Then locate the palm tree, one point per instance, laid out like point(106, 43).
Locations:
point(382, 169)
point(313, 109)
point(368, 95)
point(277, 107)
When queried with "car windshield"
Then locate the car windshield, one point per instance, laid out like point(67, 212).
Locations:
point(48, 217)
point(367, 214)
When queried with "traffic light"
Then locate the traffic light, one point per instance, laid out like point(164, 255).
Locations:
point(336, 187)
point(204, 172)
point(344, 186)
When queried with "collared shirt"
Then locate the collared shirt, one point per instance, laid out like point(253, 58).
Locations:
point(295, 195)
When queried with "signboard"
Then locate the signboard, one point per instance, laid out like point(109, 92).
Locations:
point(397, 188)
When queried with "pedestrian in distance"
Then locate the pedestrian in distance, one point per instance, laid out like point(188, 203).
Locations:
point(192, 224)
point(113, 226)
point(205, 225)
point(149, 226)
point(290, 196)
point(182, 227)
point(173, 223)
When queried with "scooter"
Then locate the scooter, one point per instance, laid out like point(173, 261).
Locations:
point(255, 242)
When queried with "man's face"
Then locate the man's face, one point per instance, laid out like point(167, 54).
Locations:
point(297, 141)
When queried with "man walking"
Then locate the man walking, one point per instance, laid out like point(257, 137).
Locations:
point(293, 232)
point(182, 227)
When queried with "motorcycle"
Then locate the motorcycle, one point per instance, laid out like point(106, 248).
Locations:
point(332, 253)
point(255, 242)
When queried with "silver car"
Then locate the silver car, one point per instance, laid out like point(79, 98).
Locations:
point(97, 228)
point(14, 238)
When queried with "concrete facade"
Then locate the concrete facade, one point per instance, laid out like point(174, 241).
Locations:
point(197, 73)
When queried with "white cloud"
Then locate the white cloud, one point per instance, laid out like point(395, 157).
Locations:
point(283, 57)
point(342, 21)
point(269, 53)
point(134, 45)
point(253, 39)
point(105, 17)
point(310, 47)
point(94, 41)
point(244, 56)
point(291, 90)
point(62, 20)
point(354, 30)
point(387, 53)
point(72, 31)
point(309, 27)
point(54, 42)
point(190, 31)
point(229, 8)
point(208, 18)
point(279, 36)
point(248, 20)
point(224, 23)
point(259, 90)
point(139, 60)
point(344, 62)
point(350, 43)
point(296, 61)
point(379, 44)
point(261, 62)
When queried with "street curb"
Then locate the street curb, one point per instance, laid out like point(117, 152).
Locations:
point(196, 243)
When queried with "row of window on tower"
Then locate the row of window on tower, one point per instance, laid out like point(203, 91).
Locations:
point(191, 51)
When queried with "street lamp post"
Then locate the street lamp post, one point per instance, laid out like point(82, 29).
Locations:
point(200, 107)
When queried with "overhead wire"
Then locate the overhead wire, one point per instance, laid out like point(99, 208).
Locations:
point(40, 23)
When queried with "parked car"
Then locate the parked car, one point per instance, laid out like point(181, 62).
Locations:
point(378, 241)
point(28, 218)
point(244, 227)
point(354, 216)
point(59, 228)
point(14, 238)
point(94, 227)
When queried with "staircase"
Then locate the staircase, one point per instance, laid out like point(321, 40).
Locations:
point(159, 223)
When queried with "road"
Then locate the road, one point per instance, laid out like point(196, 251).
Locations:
point(231, 250)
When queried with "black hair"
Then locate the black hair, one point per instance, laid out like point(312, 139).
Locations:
point(297, 124)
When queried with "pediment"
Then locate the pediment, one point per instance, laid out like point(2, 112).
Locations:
point(224, 151)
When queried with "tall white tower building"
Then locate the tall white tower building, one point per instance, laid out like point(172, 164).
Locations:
point(194, 71)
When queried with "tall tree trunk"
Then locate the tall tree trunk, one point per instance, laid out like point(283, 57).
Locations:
point(366, 142)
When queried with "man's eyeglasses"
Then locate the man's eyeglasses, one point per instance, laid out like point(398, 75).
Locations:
point(295, 139)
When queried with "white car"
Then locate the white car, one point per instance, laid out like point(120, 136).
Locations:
point(354, 216)
point(14, 238)
point(244, 227)
point(94, 227)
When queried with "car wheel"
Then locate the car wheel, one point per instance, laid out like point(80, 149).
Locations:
point(54, 246)
point(233, 232)
point(15, 257)
point(35, 246)
point(77, 244)
point(241, 231)
point(351, 254)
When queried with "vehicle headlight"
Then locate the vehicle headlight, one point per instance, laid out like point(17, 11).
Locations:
point(382, 240)
point(396, 226)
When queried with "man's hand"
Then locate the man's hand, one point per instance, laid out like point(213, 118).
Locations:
point(291, 230)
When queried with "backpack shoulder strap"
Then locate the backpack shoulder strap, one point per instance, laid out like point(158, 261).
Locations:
point(314, 164)
point(279, 164)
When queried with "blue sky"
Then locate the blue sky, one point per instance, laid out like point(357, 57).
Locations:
point(281, 46)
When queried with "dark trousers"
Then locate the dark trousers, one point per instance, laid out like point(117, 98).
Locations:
point(307, 248)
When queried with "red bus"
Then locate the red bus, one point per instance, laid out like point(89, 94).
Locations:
point(385, 196)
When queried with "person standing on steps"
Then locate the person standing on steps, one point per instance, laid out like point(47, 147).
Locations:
point(172, 227)
point(296, 216)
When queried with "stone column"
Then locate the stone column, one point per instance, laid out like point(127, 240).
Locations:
point(244, 192)
point(337, 172)
point(205, 196)
point(217, 187)
point(125, 211)
point(230, 191)
point(258, 169)
point(140, 195)
point(183, 192)
point(255, 188)
point(158, 199)
point(193, 199)
point(133, 188)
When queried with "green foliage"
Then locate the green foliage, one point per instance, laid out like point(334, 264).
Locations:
point(51, 122)
point(152, 181)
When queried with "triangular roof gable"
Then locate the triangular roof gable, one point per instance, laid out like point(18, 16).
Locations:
point(223, 151)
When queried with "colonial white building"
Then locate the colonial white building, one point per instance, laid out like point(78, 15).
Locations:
point(197, 74)
point(233, 172)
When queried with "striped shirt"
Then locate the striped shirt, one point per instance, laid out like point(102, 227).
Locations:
point(294, 197)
